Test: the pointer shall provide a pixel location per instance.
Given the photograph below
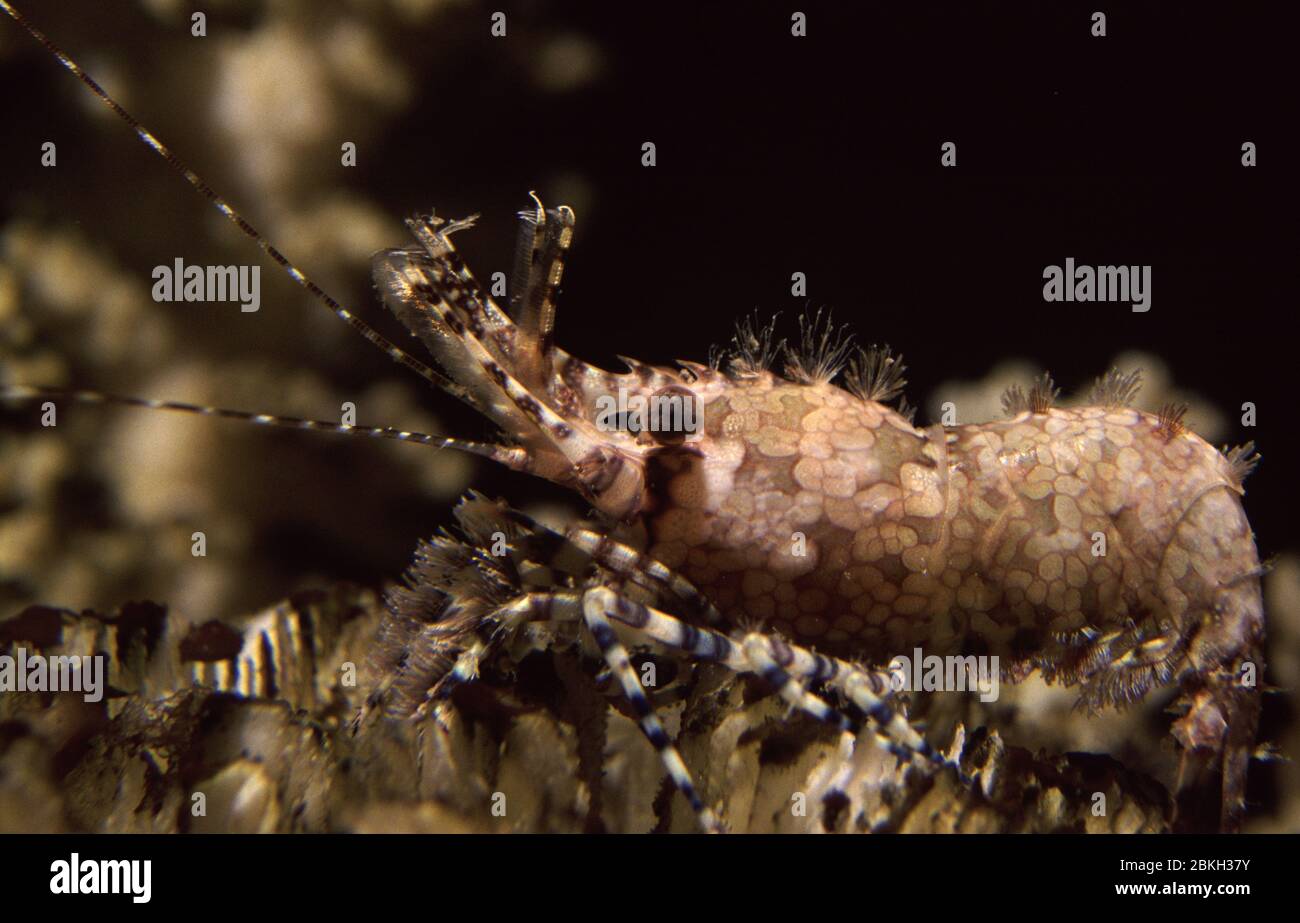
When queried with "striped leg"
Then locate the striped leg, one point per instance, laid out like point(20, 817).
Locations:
point(464, 671)
point(618, 557)
point(628, 561)
point(497, 626)
point(787, 667)
point(439, 661)
point(758, 650)
point(864, 690)
point(597, 604)
point(869, 691)
point(762, 652)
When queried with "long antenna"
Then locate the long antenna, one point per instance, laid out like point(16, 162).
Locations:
point(374, 336)
point(511, 456)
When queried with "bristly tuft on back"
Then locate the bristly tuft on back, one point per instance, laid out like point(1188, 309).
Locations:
point(1042, 395)
point(1171, 420)
point(753, 349)
point(1115, 389)
point(875, 374)
point(1242, 461)
point(823, 349)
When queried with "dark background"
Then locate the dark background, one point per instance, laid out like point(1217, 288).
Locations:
point(775, 154)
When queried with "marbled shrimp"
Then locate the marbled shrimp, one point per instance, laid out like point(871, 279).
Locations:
point(806, 532)
point(1103, 546)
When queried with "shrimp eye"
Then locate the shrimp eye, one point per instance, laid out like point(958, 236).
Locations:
point(674, 414)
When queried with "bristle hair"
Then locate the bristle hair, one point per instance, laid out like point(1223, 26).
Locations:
point(753, 349)
point(1171, 419)
point(822, 351)
point(1242, 461)
point(1116, 389)
point(1042, 395)
point(875, 374)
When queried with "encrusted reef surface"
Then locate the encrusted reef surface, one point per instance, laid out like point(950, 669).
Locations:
point(269, 744)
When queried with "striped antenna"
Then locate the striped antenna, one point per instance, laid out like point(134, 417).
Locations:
point(374, 336)
point(510, 456)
